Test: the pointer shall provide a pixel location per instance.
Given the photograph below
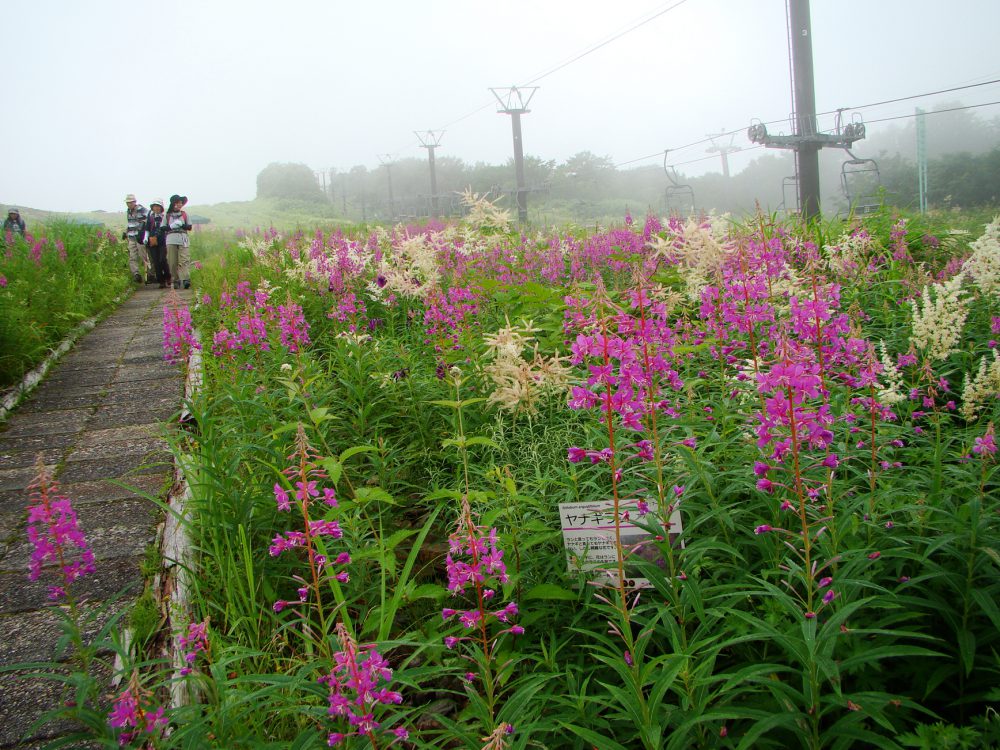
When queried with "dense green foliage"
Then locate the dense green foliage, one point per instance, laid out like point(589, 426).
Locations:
point(836, 581)
point(50, 280)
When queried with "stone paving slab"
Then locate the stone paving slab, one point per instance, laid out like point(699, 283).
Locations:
point(113, 577)
point(20, 459)
point(97, 423)
point(10, 444)
point(63, 422)
point(118, 416)
point(122, 467)
point(84, 493)
point(29, 637)
point(90, 438)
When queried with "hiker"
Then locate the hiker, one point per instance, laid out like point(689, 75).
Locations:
point(136, 219)
point(178, 242)
point(13, 223)
point(156, 243)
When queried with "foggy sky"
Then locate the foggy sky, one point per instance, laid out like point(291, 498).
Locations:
point(106, 97)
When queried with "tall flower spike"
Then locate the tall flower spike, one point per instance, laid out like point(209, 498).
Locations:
point(55, 535)
point(355, 692)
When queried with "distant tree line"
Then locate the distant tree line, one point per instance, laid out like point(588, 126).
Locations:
point(963, 170)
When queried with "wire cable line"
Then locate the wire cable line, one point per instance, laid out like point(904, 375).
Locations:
point(579, 56)
point(934, 112)
point(914, 96)
point(831, 112)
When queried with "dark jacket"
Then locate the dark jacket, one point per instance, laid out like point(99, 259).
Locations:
point(155, 226)
point(14, 225)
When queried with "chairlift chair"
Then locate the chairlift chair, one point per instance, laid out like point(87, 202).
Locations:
point(679, 198)
point(861, 181)
point(791, 183)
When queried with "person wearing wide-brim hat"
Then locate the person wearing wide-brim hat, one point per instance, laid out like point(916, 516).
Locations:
point(13, 224)
point(156, 242)
point(178, 242)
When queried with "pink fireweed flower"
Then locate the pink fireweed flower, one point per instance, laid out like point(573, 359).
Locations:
point(129, 714)
point(294, 330)
point(986, 445)
point(281, 497)
point(474, 565)
point(306, 476)
point(356, 691)
point(3, 281)
point(762, 529)
point(178, 331)
point(55, 535)
point(193, 643)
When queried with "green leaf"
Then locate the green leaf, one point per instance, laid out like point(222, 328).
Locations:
point(551, 592)
point(319, 415)
point(427, 591)
point(967, 648)
point(365, 495)
point(354, 451)
point(482, 441)
point(599, 742)
point(333, 468)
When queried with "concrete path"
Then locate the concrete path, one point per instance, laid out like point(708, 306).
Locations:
point(97, 417)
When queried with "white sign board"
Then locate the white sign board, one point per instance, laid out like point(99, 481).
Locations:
point(589, 537)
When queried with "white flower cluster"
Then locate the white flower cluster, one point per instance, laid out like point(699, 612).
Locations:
point(520, 384)
point(892, 393)
point(260, 246)
point(699, 251)
point(984, 385)
point(938, 319)
point(984, 264)
point(849, 253)
point(408, 268)
point(484, 217)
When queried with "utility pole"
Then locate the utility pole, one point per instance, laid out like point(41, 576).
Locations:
point(386, 160)
point(515, 103)
point(430, 140)
point(922, 158)
point(805, 141)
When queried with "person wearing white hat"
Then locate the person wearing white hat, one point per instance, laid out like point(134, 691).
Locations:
point(156, 242)
point(136, 219)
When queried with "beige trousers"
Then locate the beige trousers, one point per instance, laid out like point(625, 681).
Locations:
point(137, 257)
point(179, 260)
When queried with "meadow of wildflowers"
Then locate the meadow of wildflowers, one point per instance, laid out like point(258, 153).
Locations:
point(390, 418)
point(51, 280)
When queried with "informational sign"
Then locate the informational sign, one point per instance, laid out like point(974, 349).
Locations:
point(589, 537)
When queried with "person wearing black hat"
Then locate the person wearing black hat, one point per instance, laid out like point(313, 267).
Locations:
point(13, 224)
point(178, 242)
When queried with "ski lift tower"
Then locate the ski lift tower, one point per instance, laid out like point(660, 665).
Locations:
point(430, 140)
point(387, 161)
point(514, 102)
point(805, 141)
